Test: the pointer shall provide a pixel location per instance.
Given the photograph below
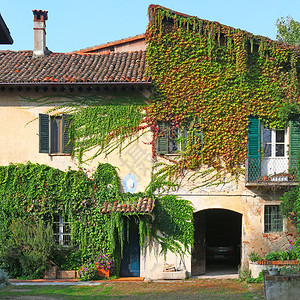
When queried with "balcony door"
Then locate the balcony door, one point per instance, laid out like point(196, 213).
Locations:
point(275, 162)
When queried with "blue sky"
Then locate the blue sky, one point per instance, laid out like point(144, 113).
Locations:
point(75, 24)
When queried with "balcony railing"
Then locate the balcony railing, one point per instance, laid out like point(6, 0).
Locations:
point(270, 171)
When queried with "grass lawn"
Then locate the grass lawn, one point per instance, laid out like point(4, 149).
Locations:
point(188, 289)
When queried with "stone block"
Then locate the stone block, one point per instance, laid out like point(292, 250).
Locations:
point(177, 275)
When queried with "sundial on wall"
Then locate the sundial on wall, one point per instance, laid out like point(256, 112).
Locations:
point(130, 183)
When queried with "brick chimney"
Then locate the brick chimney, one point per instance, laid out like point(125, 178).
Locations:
point(39, 28)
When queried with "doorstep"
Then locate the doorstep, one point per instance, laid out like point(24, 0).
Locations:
point(128, 279)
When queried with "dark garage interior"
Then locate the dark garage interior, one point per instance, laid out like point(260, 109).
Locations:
point(217, 246)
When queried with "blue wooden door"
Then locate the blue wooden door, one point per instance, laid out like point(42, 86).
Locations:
point(130, 265)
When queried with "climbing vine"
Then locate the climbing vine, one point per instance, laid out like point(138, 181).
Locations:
point(100, 123)
point(217, 76)
point(32, 192)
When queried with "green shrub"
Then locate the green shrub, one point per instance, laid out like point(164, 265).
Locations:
point(271, 256)
point(3, 279)
point(296, 248)
point(88, 272)
point(287, 254)
point(259, 279)
point(290, 270)
point(67, 258)
point(244, 274)
point(254, 256)
point(28, 249)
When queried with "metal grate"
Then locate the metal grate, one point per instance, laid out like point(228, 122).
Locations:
point(273, 218)
point(61, 231)
point(264, 170)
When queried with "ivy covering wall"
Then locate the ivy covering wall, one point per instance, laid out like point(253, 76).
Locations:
point(32, 192)
point(216, 76)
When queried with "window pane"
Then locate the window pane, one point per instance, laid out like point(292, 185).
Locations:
point(267, 150)
point(55, 227)
point(173, 139)
point(273, 218)
point(66, 228)
point(279, 149)
point(61, 230)
point(66, 240)
point(279, 136)
point(56, 218)
point(56, 237)
point(56, 135)
point(266, 135)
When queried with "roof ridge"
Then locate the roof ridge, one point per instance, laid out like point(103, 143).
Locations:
point(109, 44)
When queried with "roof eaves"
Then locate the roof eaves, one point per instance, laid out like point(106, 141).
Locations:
point(78, 83)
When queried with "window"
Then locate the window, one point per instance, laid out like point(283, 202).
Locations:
point(54, 134)
point(274, 142)
point(171, 139)
point(273, 219)
point(272, 154)
point(275, 154)
point(61, 230)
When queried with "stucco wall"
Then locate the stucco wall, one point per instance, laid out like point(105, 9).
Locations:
point(19, 141)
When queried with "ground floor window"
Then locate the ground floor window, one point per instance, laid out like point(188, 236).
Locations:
point(273, 218)
point(61, 230)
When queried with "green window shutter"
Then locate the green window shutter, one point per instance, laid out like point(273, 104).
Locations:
point(67, 145)
point(253, 149)
point(294, 150)
point(184, 139)
point(162, 143)
point(197, 137)
point(43, 133)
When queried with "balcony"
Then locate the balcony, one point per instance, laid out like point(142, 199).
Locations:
point(270, 172)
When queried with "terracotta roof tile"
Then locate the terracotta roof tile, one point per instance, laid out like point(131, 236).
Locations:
point(143, 205)
point(21, 67)
point(110, 44)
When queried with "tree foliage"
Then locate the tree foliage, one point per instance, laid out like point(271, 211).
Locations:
point(288, 31)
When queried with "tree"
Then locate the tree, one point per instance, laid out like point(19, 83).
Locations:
point(288, 31)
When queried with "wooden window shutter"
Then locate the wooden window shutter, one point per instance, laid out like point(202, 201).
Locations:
point(43, 133)
point(253, 149)
point(162, 143)
point(294, 150)
point(67, 145)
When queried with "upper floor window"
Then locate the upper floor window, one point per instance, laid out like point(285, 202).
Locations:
point(274, 142)
point(172, 139)
point(272, 153)
point(54, 134)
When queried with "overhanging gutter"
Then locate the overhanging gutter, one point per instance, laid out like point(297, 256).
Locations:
point(142, 84)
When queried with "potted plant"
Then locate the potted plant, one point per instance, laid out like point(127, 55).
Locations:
point(274, 271)
point(88, 272)
point(104, 265)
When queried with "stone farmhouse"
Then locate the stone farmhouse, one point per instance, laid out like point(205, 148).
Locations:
point(242, 213)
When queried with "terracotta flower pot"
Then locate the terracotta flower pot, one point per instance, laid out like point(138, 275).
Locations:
point(276, 262)
point(101, 272)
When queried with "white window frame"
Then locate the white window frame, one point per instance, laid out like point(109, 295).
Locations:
point(275, 165)
point(62, 231)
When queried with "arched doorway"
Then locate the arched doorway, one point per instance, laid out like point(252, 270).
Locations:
point(217, 243)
